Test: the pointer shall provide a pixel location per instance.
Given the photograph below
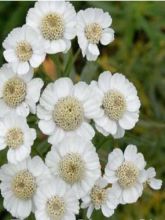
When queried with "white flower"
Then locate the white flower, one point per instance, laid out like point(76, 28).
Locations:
point(119, 103)
point(55, 21)
point(16, 134)
point(65, 108)
point(93, 28)
point(151, 180)
point(100, 197)
point(18, 94)
point(19, 183)
point(23, 49)
point(76, 162)
point(55, 201)
point(126, 173)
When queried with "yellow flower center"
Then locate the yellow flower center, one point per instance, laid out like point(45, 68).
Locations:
point(24, 185)
point(72, 168)
point(98, 196)
point(127, 174)
point(52, 26)
point(114, 105)
point(93, 33)
point(55, 208)
point(68, 113)
point(14, 138)
point(24, 51)
point(14, 92)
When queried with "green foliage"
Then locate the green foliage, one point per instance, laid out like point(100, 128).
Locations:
point(138, 52)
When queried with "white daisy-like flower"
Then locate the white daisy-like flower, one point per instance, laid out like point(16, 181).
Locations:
point(18, 93)
point(23, 49)
point(151, 180)
point(66, 108)
point(55, 201)
point(119, 103)
point(100, 197)
point(76, 162)
point(16, 134)
point(19, 183)
point(55, 21)
point(93, 28)
point(125, 171)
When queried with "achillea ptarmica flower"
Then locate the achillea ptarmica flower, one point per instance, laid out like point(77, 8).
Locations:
point(19, 183)
point(76, 163)
point(125, 171)
point(23, 49)
point(119, 103)
point(18, 93)
point(151, 180)
point(17, 136)
point(100, 197)
point(65, 109)
point(55, 201)
point(93, 28)
point(55, 21)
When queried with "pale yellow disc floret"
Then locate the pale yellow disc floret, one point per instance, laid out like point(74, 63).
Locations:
point(93, 33)
point(24, 185)
point(68, 113)
point(52, 26)
point(55, 207)
point(114, 104)
point(127, 174)
point(14, 92)
point(98, 196)
point(72, 168)
point(24, 51)
point(14, 138)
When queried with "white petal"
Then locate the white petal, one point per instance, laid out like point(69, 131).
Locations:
point(58, 135)
point(107, 36)
point(130, 195)
point(93, 49)
point(89, 211)
point(151, 172)
point(63, 87)
point(47, 127)
point(10, 55)
point(22, 68)
point(86, 131)
point(23, 110)
point(155, 183)
point(115, 159)
point(128, 120)
point(36, 165)
point(130, 153)
point(34, 89)
point(107, 211)
point(104, 81)
point(37, 59)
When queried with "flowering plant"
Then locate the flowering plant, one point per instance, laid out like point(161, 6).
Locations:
point(58, 182)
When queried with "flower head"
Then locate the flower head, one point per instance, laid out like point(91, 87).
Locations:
point(55, 201)
point(126, 173)
point(151, 180)
point(17, 136)
point(100, 197)
point(19, 184)
point(23, 49)
point(93, 28)
point(55, 22)
point(18, 93)
point(119, 104)
point(65, 109)
point(76, 162)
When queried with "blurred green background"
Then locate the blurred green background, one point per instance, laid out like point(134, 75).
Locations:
point(138, 52)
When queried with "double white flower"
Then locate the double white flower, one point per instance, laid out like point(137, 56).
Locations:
point(18, 93)
point(16, 134)
point(23, 49)
point(118, 102)
point(19, 184)
point(66, 109)
point(93, 28)
point(55, 22)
